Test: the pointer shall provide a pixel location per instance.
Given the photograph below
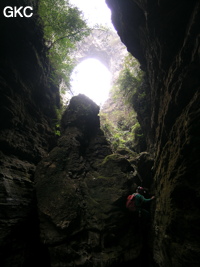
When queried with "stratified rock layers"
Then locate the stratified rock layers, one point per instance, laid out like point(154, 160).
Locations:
point(27, 112)
point(164, 36)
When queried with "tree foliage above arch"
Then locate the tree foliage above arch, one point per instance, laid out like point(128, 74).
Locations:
point(63, 26)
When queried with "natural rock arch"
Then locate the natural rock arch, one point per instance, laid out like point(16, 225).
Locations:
point(105, 46)
point(101, 56)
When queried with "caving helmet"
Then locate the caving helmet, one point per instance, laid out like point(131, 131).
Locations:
point(140, 190)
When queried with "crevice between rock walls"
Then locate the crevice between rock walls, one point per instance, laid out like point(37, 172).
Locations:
point(27, 115)
point(164, 37)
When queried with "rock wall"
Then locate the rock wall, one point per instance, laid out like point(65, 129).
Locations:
point(164, 37)
point(82, 187)
point(27, 108)
point(81, 192)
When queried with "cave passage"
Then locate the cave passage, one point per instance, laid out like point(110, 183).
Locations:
point(93, 79)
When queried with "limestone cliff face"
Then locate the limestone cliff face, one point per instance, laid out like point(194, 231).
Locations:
point(82, 187)
point(81, 191)
point(27, 108)
point(164, 36)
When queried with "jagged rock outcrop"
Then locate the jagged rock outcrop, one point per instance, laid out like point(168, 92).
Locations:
point(164, 37)
point(81, 191)
point(27, 107)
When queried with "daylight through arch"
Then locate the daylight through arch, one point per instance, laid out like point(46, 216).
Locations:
point(92, 78)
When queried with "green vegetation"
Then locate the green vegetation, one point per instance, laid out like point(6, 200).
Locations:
point(121, 134)
point(119, 120)
point(57, 121)
point(63, 26)
point(129, 84)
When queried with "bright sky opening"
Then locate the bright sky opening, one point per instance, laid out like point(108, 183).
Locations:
point(95, 12)
point(92, 79)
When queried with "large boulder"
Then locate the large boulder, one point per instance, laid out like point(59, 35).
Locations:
point(81, 190)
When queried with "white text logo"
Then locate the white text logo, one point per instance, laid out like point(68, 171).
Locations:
point(10, 12)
